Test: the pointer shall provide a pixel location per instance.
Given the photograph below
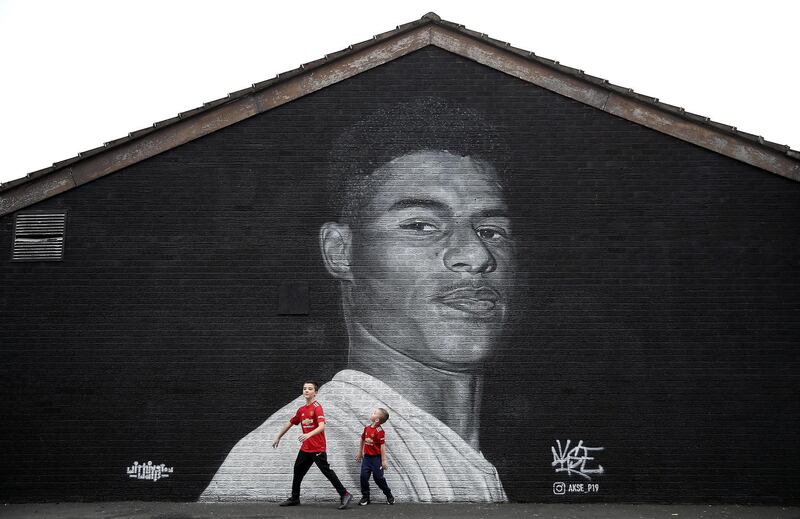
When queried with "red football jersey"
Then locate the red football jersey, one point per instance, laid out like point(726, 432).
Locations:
point(308, 417)
point(373, 439)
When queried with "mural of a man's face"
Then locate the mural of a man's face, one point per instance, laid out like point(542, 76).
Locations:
point(429, 258)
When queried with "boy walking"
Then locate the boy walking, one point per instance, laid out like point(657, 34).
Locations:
point(373, 451)
point(311, 419)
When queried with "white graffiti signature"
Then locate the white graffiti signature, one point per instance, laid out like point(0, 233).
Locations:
point(149, 471)
point(574, 460)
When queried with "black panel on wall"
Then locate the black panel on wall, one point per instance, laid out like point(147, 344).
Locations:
point(659, 315)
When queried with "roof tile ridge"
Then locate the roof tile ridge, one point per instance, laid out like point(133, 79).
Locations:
point(428, 18)
point(626, 91)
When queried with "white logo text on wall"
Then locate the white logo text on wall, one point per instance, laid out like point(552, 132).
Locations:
point(149, 471)
point(577, 460)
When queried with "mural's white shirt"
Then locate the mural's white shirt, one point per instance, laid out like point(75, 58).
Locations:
point(427, 460)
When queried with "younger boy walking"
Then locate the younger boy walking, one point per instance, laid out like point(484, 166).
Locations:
point(311, 419)
point(373, 451)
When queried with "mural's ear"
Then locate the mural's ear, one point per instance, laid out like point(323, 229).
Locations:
point(335, 240)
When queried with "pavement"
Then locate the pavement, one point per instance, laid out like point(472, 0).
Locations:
point(172, 510)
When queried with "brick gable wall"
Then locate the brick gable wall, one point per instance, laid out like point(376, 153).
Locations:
point(659, 317)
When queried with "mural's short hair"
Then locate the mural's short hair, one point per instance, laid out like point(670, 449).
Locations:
point(424, 124)
point(384, 415)
point(313, 383)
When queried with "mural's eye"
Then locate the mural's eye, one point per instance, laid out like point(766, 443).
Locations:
point(418, 226)
point(491, 233)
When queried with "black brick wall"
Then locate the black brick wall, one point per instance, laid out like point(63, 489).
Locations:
point(660, 321)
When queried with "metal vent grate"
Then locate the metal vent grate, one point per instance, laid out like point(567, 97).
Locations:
point(39, 237)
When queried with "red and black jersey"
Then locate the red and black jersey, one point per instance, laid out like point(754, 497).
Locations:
point(309, 417)
point(373, 437)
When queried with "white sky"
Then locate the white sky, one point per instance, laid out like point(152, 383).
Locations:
point(78, 73)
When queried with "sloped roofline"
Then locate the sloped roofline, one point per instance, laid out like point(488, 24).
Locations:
point(383, 48)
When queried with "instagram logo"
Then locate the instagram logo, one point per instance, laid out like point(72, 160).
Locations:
point(559, 488)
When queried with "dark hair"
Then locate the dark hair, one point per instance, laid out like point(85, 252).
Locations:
point(424, 124)
point(385, 415)
point(312, 382)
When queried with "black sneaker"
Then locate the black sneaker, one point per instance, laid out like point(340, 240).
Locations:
point(390, 499)
point(364, 501)
point(346, 498)
point(290, 502)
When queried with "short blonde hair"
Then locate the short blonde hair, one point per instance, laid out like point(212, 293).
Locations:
point(384, 414)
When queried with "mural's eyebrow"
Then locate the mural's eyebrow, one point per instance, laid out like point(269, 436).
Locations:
point(493, 212)
point(420, 203)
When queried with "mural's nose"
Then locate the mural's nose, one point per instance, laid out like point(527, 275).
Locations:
point(466, 252)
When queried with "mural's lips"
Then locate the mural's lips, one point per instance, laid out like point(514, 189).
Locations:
point(478, 301)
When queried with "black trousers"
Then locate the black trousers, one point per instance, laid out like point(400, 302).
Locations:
point(303, 463)
point(371, 466)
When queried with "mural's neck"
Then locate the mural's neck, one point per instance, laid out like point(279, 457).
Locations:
point(454, 398)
